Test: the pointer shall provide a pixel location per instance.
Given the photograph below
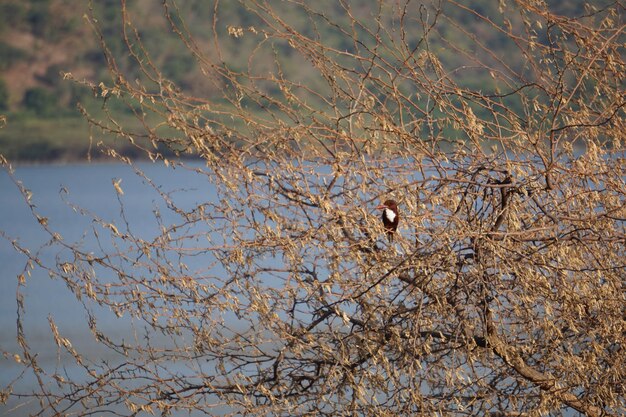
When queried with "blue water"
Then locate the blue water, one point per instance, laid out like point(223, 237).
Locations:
point(57, 193)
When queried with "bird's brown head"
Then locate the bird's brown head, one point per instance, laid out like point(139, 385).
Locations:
point(389, 204)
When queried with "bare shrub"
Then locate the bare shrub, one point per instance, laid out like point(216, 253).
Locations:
point(503, 291)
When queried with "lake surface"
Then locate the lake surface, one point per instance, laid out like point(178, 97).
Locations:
point(55, 189)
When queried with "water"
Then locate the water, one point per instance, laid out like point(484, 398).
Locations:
point(56, 190)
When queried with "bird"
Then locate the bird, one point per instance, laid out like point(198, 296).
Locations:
point(390, 217)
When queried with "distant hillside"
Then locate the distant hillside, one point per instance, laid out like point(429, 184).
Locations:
point(39, 39)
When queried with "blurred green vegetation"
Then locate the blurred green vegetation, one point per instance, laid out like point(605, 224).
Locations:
point(41, 39)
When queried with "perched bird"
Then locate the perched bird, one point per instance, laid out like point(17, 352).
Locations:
point(390, 217)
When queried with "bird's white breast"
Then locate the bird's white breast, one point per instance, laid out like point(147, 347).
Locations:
point(389, 214)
